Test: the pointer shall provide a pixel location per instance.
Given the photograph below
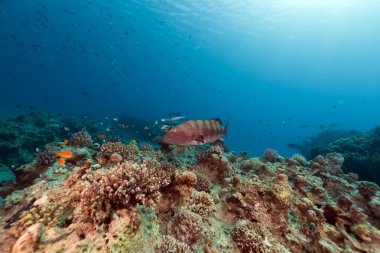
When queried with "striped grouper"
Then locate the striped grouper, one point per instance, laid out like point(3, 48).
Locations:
point(196, 132)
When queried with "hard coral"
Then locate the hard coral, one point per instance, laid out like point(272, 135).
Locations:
point(203, 182)
point(110, 148)
point(45, 158)
point(201, 203)
point(250, 237)
point(81, 139)
point(186, 227)
point(270, 155)
point(171, 245)
point(125, 184)
point(184, 183)
point(215, 160)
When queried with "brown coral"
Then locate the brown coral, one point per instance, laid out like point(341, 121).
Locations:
point(202, 203)
point(124, 184)
point(45, 158)
point(110, 148)
point(186, 227)
point(171, 245)
point(81, 139)
point(250, 237)
point(203, 182)
point(270, 155)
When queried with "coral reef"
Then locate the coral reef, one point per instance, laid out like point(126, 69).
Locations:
point(45, 158)
point(22, 135)
point(171, 245)
point(126, 151)
point(129, 198)
point(186, 227)
point(250, 237)
point(361, 151)
point(122, 185)
point(81, 139)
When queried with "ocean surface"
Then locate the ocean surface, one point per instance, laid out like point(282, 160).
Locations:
point(280, 71)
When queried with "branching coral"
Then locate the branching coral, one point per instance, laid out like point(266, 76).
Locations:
point(124, 184)
point(184, 183)
point(49, 215)
point(250, 237)
point(171, 245)
point(81, 139)
point(125, 151)
point(201, 203)
point(203, 182)
point(270, 155)
point(45, 158)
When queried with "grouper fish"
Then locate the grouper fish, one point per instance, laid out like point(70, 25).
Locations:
point(196, 132)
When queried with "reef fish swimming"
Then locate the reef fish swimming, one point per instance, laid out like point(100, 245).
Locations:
point(195, 132)
point(64, 154)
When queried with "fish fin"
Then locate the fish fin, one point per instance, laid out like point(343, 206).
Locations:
point(165, 130)
point(200, 138)
point(218, 120)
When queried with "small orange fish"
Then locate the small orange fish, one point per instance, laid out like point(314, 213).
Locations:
point(62, 161)
point(65, 141)
point(101, 136)
point(64, 154)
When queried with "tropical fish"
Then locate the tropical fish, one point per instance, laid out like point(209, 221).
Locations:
point(64, 154)
point(172, 119)
point(62, 161)
point(196, 132)
point(101, 136)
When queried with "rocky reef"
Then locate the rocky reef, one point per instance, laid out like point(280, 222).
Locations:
point(361, 150)
point(119, 197)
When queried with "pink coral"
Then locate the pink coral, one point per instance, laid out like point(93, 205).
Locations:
point(124, 184)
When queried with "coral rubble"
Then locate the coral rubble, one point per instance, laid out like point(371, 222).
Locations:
point(128, 198)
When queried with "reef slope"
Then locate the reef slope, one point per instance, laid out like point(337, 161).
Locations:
point(119, 197)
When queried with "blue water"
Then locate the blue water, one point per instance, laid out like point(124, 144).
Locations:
point(277, 69)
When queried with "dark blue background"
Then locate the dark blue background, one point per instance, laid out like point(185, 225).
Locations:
point(270, 66)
